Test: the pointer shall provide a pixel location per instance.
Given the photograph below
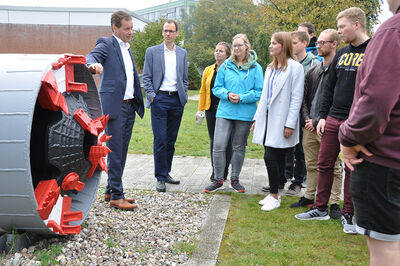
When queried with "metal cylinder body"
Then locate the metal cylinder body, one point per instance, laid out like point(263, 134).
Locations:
point(45, 147)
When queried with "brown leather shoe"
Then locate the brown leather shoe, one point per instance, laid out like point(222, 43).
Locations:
point(122, 204)
point(107, 197)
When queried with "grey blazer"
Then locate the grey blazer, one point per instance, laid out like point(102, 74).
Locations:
point(154, 70)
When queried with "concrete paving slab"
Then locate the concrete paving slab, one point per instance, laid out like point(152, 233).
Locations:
point(193, 172)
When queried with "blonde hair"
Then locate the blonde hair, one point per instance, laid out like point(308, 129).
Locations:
point(246, 41)
point(284, 39)
point(333, 35)
point(354, 14)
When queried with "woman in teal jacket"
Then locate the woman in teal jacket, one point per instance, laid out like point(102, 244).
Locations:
point(239, 85)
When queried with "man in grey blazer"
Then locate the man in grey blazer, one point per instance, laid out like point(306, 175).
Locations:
point(165, 80)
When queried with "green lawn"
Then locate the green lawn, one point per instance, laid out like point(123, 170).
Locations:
point(254, 237)
point(192, 139)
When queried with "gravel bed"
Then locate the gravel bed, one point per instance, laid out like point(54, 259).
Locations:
point(160, 232)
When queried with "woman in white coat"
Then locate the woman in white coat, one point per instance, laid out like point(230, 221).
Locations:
point(276, 122)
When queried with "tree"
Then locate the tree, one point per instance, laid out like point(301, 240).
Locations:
point(187, 21)
point(286, 15)
point(150, 36)
point(216, 21)
point(261, 46)
point(194, 77)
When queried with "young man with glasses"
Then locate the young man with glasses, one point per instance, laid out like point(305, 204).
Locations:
point(335, 108)
point(165, 80)
point(313, 90)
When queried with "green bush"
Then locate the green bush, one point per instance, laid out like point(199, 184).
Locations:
point(194, 77)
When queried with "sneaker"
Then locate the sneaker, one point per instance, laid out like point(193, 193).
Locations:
point(335, 211)
point(293, 190)
point(264, 200)
point(313, 214)
point(236, 186)
point(214, 187)
point(271, 203)
point(302, 202)
point(349, 227)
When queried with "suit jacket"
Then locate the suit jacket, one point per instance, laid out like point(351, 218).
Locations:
point(284, 110)
point(113, 79)
point(154, 70)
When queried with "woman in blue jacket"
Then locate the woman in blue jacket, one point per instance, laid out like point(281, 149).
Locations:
point(238, 84)
point(277, 118)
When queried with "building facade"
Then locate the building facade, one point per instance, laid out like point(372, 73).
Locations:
point(171, 10)
point(48, 30)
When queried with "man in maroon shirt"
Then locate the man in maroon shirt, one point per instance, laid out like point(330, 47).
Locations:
point(370, 143)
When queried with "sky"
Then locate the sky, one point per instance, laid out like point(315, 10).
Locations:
point(128, 4)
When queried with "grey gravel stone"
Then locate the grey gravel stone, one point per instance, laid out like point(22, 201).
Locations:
point(157, 233)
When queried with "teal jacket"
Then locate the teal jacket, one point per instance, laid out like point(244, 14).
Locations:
point(247, 81)
point(309, 61)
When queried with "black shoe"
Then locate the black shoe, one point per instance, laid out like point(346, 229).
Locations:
point(161, 186)
point(335, 213)
point(170, 180)
point(302, 202)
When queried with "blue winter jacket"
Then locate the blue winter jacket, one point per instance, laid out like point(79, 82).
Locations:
point(247, 81)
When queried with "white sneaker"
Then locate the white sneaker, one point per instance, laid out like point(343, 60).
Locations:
point(264, 200)
point(271, 203)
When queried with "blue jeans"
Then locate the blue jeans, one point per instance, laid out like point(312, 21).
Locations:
point(210, 117)
point(237, 131)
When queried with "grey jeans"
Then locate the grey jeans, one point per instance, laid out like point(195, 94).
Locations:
point(239, 131)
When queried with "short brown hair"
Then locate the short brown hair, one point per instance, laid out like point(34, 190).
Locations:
point(310, 27)
point(227, 48)
point(354, 14)
point(170, 21)
point(118, 16)
point(301, 35)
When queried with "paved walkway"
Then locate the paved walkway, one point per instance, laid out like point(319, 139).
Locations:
point(193, 172)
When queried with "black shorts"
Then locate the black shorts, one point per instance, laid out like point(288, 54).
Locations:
point(376, 196)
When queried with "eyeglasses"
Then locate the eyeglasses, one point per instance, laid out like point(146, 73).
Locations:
point(169, 31)
point(238, 45)
point(322, 42)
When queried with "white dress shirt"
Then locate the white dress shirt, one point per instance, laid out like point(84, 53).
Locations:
point(129, 91)
point(169, 82)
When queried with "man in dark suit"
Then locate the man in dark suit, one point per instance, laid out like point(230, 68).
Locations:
point(121, 97)
point(165, 80)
